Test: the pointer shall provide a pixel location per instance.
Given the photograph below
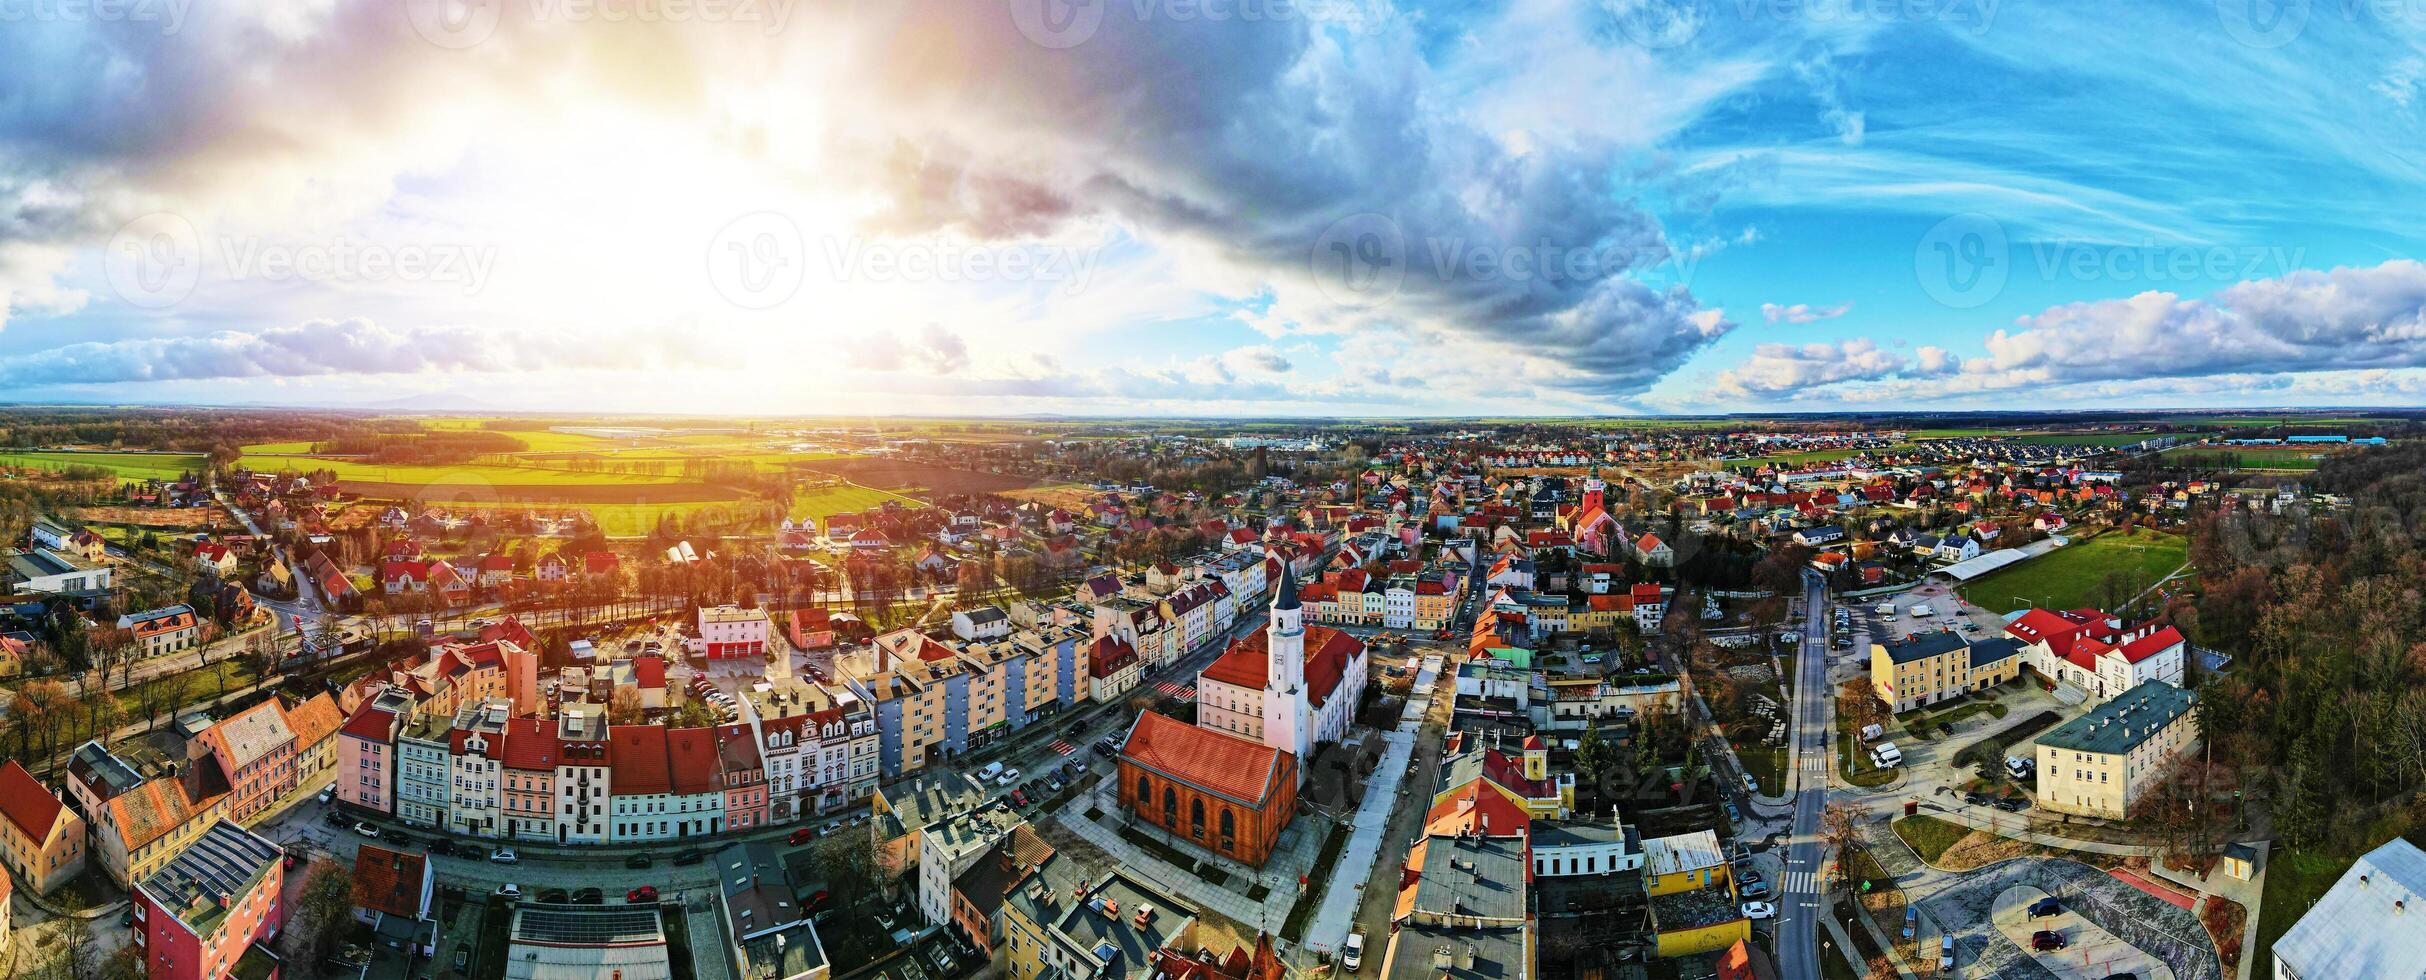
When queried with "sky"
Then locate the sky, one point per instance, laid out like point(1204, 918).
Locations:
point(1213, 207)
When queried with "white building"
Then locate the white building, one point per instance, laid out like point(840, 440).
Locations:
point(732, 633)
point(2367, 923)
point(984, 623)
point(1291, 687)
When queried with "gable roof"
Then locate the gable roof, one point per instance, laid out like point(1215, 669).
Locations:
point(1243, 771)
point(256, 732)
point(314, 720)
point(638, 760)
point(691, 760)
point(26, 803)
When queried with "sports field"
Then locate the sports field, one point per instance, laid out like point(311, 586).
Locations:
point(2295, 459)
point(2068, 577)
point(125, 466)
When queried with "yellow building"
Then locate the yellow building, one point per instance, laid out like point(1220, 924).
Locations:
point(1692, 891)
point(2099, 763)
point(1933, 667)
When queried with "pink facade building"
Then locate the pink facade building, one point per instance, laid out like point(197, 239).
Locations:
point(366, 752)
point(211, 911)
point(745, 777)
point(257, 751)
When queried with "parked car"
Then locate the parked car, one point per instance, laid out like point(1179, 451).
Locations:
point(644, 893)
point(2046, 907)
point(1019, 798)
point(1977, 798)
point(2048, 941)
point(688, 858)
point(1754, 889)
point(2013, 804)
point(801, 835)
point(556, 895)
point(504, 855)
point(1008, 777)
point(333, 819)
point(640, 860)
point(589, 896)
point(366, 830)
point(1733, 815)
point(510, 890)
point(1945, 954)
point(1759, 910)
point(328, 794)
point(1353, 958)
point(991, 770)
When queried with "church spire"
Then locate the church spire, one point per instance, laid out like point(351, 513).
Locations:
point(1285, 596)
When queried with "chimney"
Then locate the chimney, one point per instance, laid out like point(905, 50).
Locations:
point(1441, 960)
point(1465, 956)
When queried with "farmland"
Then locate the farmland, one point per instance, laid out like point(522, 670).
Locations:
point(2068, 577)
point(898, 474)
point(124, 466)
point(820, 503)
point(2106, 439)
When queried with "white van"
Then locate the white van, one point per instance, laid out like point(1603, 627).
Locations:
point(1886, 755)
point(1923, 611)
point(1870, 733)
point(987, 774)
point(1886, 609)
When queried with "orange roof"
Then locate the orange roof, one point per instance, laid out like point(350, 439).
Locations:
point(25, 803)
point(389, 881)
point(314, 720)
point(147, 812)
point(1220, 763)
point(1472, 807)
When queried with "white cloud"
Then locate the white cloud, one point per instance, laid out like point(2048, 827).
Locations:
point(1786, 368)
point(1800, 313)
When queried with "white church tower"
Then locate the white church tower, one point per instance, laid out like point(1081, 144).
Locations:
point(1288, 723)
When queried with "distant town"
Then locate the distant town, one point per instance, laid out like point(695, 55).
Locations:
point(538, 697)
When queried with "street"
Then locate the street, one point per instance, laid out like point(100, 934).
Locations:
point(1802, 893)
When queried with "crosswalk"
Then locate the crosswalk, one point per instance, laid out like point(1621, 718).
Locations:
point(1177, 692)
point(1062, 747)
point(1801, 882)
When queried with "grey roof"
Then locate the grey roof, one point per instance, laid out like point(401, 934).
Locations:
point(930, 798)
point(1682, 852)
point(986, 614)
point(1923, 646)
point(1487, 954)
point(1104, 927)
point(2357, 929)
point(1991, 650)
point(1569, 833)
point(1477, 876)
point(107, 774)
point(225, 860)
point(1285, 596)
point(2123, 723)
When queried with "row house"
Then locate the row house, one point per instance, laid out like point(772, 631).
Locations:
point(745, 777)
point(475, 758)
point(366, 763)
point(527, 771)
point(139, 825)
point(584, 775)
point(257, 751)
point(424, 768)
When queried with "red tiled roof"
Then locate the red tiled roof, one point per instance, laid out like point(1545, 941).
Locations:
point(638, 759)
point(1471, 807)
point(691, 754)
point(530, 745)
point(2151, 645)
point(370, 722)
point(1498, 767)
point(314, 720)
point(23, 800)
point(648, 671)
point(1217, 762)
point(1110, 655)
point(1247, 663)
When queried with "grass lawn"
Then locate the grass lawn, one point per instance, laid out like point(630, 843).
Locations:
point(125, 466)
point(617, 520)
point(1929, 836)
point(2067, 577)
point(2294, 881)
point(2297, 459)
point(278, 449)
point(851, 498)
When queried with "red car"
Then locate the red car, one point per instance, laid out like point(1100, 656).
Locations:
point(644, 893)
point(1019, 797)
point(802, 835)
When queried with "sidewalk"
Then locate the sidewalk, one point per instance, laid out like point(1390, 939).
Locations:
point(1344, 891)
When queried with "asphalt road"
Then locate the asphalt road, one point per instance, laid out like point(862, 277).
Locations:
point(1802, 896)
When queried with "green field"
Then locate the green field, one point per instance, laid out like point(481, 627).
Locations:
point(2067, 578)
point(2297, 459)
point(1955, 433)
point(1826, 455)
point(125, 466)
point(848, 498)
point(2108, 439)
point(494, 474)
point(1929, 836)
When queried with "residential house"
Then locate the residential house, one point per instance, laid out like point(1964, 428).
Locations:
point(255, 749)
point(168, 629)
point(1693, 897)
point(393, 894)
point(2098, 764)
point(41, 839)
point(366, 752)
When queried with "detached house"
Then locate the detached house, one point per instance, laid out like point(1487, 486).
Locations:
point(164, 630)
point(41, 840)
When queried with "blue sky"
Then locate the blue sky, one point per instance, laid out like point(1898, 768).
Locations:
point(1226, 207)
